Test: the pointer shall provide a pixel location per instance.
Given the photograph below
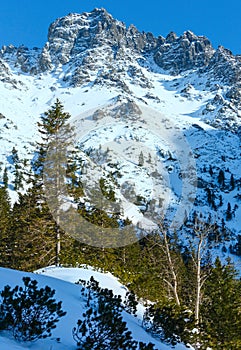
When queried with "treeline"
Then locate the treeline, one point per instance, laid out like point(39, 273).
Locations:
point(194, 300)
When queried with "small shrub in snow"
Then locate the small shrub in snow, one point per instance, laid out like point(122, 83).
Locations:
point(28, 312)
point(102, 326)
point(130, 303)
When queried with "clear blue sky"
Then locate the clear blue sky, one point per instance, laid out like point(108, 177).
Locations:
point(27, 21)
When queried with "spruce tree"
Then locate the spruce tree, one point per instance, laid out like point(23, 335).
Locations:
point(141, 159)
point(232, 182)
point(52, 122)
point(5, 177)
point(18, 173)
point(229, 212)
point(221, 178)
point(57, 135)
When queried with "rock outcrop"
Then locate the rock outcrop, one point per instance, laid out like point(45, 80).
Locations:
point(178, 54)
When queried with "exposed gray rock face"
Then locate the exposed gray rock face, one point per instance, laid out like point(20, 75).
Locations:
point(45, 63)
point(127, 109)
point(171, 38)
point(72, 35)
point(224, 66)
point(4, 70)
point(23, 58)
point(6, 75)
point(186, 52)
point(234, 94)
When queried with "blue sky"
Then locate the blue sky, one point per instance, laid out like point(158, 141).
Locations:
point(27, 21)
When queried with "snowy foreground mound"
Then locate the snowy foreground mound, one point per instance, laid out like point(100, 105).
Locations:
point(63, 281)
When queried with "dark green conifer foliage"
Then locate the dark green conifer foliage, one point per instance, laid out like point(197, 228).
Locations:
point(210, 197)
point(5, 217)
point(143, 346)
point(5, 177)
point(4, 208)
point(32, 232)
point(107, 191)
point(57, 135)
point(220, 200)
point(52, 122)
point(221, 309)
point(169, 322)
point(28, 312)
point(237, 247)
point(130, 303)
point(51, 162)
point(146, 269)
point(17, 171)
point(102, 326)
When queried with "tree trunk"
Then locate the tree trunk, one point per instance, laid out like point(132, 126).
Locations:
point(198, 282)
point(58, 151)
point(58, 246)
point(174, 285)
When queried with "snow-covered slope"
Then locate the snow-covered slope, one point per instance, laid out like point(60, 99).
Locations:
point(63, 281)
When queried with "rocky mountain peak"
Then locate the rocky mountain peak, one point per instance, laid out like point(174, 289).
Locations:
point(189, 35)
point(171, 37)
point(189, 51)
point(72, 34)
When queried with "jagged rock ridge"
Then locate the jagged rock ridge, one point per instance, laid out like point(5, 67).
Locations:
point(94, 48)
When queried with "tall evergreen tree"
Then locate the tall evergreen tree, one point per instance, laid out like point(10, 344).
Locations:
point(55, 132)
point(50, 163)
point(5, 177)
point(18, 173)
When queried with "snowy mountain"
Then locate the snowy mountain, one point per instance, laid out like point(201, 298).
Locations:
point(176, 100)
